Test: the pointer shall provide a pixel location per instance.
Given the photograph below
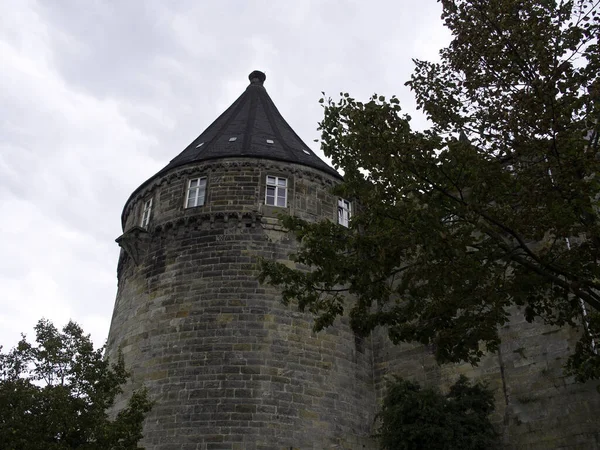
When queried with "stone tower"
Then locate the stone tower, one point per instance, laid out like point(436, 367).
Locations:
point(228, 365)
point(231, 368)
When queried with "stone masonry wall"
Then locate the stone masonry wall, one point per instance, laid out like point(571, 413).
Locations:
point(232, 368)
point(537, 406)
point(229, 366)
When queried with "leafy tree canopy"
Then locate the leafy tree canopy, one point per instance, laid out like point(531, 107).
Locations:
point(413, 418)
point(54, 395)
point(495, 205)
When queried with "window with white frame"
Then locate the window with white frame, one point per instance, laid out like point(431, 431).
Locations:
point(146, 213)
point(344, 212)
point(276, 192)
point(196, 192)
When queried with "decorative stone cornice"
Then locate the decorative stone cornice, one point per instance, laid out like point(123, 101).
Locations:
point(215, 220)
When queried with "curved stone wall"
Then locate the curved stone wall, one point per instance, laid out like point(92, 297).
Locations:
point(229, 366)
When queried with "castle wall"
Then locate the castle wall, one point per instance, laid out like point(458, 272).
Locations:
point(537, 406)
point(232, 368)
point(229, 366)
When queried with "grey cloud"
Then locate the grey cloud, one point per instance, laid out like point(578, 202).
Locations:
point(95, 97)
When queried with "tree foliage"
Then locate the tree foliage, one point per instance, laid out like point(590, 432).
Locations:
point(412, 418)
point(54, 395)
point(495, 205)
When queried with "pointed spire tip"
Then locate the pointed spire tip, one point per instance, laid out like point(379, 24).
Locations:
point(257, 77)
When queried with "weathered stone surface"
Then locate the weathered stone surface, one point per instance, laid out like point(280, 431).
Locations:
point(230, 367)
point(228, 364)
point(537, 407)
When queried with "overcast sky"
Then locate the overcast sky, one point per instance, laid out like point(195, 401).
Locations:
point(98, 95)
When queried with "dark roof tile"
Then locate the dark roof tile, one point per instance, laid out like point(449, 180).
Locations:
point(252, 119)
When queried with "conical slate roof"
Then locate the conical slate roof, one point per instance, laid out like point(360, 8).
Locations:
point(251, 127)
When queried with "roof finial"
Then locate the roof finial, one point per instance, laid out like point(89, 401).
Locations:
point(257, 77)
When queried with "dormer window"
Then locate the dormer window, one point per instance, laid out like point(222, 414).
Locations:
point(276, 192)
point(344, 212)
point(196, 192)
point(146, 213)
